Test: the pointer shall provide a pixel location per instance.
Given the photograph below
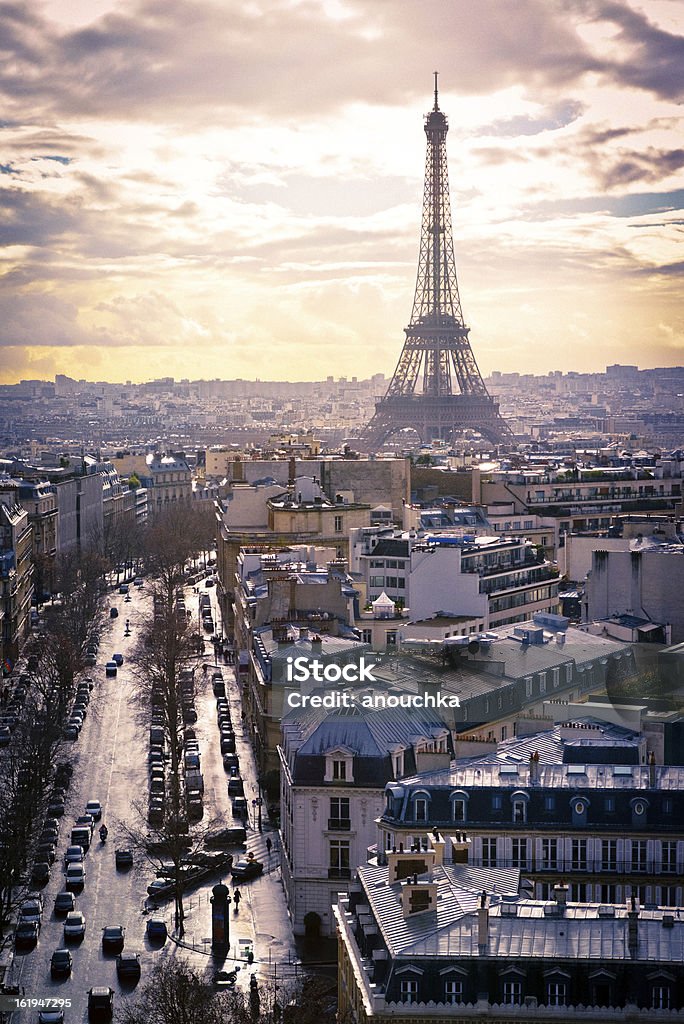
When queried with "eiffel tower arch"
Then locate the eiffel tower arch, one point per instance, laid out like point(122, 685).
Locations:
point(436, 389)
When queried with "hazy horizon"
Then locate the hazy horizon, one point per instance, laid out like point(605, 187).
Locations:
point(211, 191)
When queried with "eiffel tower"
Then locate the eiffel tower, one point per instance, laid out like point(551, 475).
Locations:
point(437, 389)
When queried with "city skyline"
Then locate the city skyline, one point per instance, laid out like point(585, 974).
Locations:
point(240, 198)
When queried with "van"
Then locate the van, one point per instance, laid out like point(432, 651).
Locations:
point(80, 836)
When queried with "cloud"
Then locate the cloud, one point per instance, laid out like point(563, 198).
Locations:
point(655, 58)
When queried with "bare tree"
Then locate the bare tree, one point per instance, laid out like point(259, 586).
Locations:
point(175, 994)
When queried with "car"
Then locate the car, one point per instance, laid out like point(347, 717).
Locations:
point(113, 613)
point(113, 937)
point(64, 903)
point(56, 807)
point(123, 859)
point(87, 821)
point(40, 874)
point(81, 835)
point(74, 926)
point(219, 688)
point(50, 1016)
point(118, 658)
point(189, 715)
point(73, 855)
point(226, 837)
point(94, 808)
point(49, 835)
point(208, 625)
point(192, 759)
point(70, 732)
point(90, 659)
point(155, 814)
point(51, 823)
point(31, 910)
point(159, 889)
point(235, 786)
point(123, 588)
point(111, 668)
point(100, 1003)
point(157, 785)
point(138, 582)
point(231, 761)
point(5, 735)
point(75, 876)
point(210, 582)
point(228, 743)
point(26, 933)
point(195, 808)
point(240, 807)
point(128, 966)
point(46, 851)
point(246, 868)
point(156, 930)
point(60, 963)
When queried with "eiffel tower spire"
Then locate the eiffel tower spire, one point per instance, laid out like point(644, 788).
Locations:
point(436, 388)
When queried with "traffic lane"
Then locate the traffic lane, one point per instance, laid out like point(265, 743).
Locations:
point(109, 764)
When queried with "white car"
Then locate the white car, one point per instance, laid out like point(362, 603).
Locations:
point(75, 876)
point(94, 808)
point(75, 925)
point(73, 855)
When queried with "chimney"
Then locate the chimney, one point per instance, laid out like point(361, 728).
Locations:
point(534, 767)
point(482, 925)
point(652, 770)
point(560, 895)
point(633, 928)
point(292, 473)
point(316, 644)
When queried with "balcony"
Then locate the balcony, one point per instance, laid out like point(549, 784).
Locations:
point(339, 824)
point(339, 872)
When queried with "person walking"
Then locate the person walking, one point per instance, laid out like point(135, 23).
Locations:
point(269, 844)
point(237, 896)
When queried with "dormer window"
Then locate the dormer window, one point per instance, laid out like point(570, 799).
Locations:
point(339, 771)
point(339, 766)
point(459, 806)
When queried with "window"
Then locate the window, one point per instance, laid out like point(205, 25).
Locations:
point(496, 803)
point(339, 812)
point(391, 637)
point(528, 686)
point(549, 858)
point(556, 678)
point(519, 857)
point(609, 804)
point(512, 993)
point(669, 856)
point(639, 855)
point(339, 858)
point(519, 812)
point(453, 992)
point(608, 856)
point(549, 803)
point(338, 524)
point(377, 581)
point(542, 682)
point(668, 805)
point(340, 771)
point(556, 993)
point(459, 812)
point(409, 991)
point(660, 997)
point(489, 853)
point(669, 896)
point(579, 855)
point(398, 762)
point(420, 809)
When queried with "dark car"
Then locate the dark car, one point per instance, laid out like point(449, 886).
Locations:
point(226, 837)
point(113, 613)
point(70, 732)
point(26, 934)
point(113, 938)
point(156, 930)
point(41, 873)
point(56, 807)
point(46, 851)
point(123, 859)
point(219, 688)
point(65, 902)
point(118, 658)
point(90, 659)
point(123, 588)
point(5, 735)
point(235, 786)
point(128, 966)
point(228, 743)
point(245, 869)
point(100, 1003)
point(50, 1016)
point(111, 668)
point(195, 808)
point(240, 807)
point(61, 963)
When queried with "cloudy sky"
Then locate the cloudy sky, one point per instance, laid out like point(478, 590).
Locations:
point(232, 188)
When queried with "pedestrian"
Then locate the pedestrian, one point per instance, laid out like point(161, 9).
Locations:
point(204, 668)
point(237, 896)
point(269, 844)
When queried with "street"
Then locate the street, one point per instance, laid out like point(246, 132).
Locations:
point(110, 765)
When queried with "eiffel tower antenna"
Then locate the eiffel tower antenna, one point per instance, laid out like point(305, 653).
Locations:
point(436, 389)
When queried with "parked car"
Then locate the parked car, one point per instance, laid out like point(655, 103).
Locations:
point(46, 851)
point(226, 837)
point(60, 963)
point(64, 903)
point(123, 588)
point(50, 1016)
point(231, 763)
point(26, 934)
point(5, 735)
point(40, 875)
point(113, 937)
point(90, 659)
point(118, 658)
point(70, 732)
point(100, 1003)
point(228, 743)
point(74, 926)
point(240, 807)
point(195, 808)
point(235, 786)
point(156, 930)
point(111, 668)
point(73, 855)
point(123, 859)
point(245, 869)
point(56, 807)
point(128, 966)
point(31, 910)
point(86, 821)
point(75, 876)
